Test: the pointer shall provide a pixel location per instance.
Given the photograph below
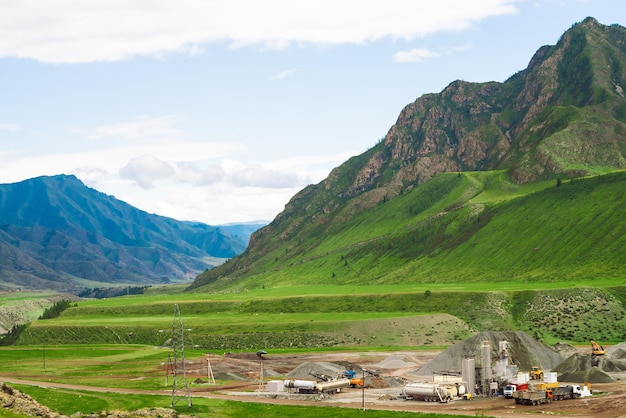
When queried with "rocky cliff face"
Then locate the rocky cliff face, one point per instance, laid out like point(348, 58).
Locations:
point(486, 126)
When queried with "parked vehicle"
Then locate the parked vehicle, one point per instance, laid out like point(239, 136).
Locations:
point(427, 392)
point(532, 397)
point(509, 390)
point(570, 392)
point(307, 386)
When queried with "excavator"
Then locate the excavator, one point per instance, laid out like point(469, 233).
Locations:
point(597, 349)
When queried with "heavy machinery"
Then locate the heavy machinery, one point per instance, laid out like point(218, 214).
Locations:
point(536, 373)
point(597, 349)
point(354, 381)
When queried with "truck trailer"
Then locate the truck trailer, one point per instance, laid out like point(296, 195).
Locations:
point(427, 392)
point(308, 386)
point(532, 397)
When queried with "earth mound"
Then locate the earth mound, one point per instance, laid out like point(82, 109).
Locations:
point(523, 350)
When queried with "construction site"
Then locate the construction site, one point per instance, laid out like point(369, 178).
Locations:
point(492, 373)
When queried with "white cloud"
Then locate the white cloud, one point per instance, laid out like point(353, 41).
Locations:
point(281, 75)
point(139, 130)
point(190, 173)
point(74, 31)
point(422, 54)
point(414, 55)
point(257, 176)
point(9, 127)
point(146, 170)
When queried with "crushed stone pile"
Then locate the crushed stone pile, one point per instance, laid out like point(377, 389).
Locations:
point(586, 368)
point(523, 350)
point(397, 361)
point(304, 370)
point(565, 348)
point(617, 351)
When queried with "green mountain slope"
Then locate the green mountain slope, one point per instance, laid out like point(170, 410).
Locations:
point(435, 196)
point(460, 227)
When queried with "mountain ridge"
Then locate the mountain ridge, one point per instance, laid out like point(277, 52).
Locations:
point(57, 233)
point(563, 117)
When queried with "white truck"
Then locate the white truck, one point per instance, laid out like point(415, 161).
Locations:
point(509, 390)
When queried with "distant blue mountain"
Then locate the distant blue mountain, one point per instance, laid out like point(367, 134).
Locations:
point(56, 233)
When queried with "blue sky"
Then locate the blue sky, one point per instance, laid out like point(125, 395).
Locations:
point(220, 111)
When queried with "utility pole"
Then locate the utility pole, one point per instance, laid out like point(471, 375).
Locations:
point(209, 370)
point(363, 391)
point(178, 343)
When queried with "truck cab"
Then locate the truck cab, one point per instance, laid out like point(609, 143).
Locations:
point(509, 390)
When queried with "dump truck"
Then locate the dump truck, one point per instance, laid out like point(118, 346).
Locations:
point(532, 397)
point(570, 392)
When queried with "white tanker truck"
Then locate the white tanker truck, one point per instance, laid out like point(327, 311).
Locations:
point(309, 386)
point(432, 392)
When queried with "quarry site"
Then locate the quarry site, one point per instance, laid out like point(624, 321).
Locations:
point(403, 380)
point(468, 378)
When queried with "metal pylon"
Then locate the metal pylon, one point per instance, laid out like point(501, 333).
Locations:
point(180, 388)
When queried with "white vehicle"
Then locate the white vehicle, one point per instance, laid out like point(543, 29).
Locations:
point(509, 390)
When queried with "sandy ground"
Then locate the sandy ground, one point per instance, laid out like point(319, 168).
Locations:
point(381, 392)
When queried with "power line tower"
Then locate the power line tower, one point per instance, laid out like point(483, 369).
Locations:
point(180, 388)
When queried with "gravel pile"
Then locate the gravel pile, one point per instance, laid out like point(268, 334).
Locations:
point(397, 361)
point(585, 368)
point(524, 351)
point(617, 351)
point(304, 370)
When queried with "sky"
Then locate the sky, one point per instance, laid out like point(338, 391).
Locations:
point(219, 111)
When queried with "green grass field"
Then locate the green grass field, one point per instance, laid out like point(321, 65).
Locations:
point(69, 402)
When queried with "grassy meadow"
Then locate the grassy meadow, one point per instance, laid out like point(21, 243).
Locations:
point(70, 401)
point(313, 317)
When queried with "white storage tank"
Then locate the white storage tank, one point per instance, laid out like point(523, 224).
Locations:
point(333, 385)
point(308, 385)
point(427, 392)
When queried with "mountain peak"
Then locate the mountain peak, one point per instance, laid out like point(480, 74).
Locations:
point(564, 116)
